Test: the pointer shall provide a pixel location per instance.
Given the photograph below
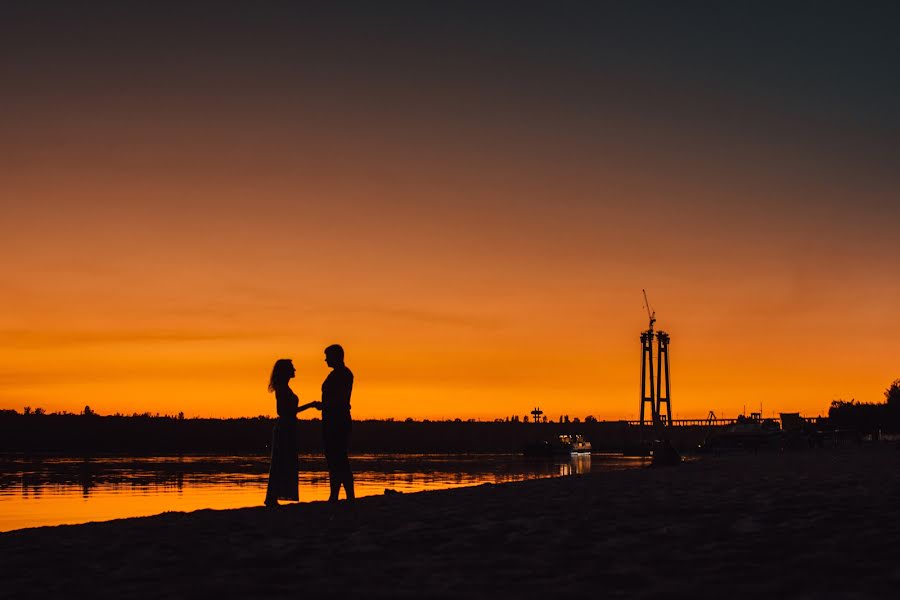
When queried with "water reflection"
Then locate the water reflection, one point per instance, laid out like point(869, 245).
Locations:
point(579, 464)
point(38, 491)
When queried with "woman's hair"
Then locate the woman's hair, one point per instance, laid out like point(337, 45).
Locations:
point(281, 373)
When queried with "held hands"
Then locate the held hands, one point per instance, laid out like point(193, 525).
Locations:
point(317, 405)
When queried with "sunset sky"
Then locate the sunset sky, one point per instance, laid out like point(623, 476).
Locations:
point(469, 197)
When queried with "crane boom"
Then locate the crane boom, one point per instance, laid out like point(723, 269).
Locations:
point(651, 314)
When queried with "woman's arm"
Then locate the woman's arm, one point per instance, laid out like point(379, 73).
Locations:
point(306, 406)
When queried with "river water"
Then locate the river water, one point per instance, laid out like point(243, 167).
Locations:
point(44, 490)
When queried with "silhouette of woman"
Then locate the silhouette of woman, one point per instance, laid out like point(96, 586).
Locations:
point(284, 465)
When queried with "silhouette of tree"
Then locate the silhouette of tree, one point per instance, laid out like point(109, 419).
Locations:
point(892, 394)
point(865, 417)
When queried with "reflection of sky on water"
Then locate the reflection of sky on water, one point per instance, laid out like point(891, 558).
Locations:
point(36, 491)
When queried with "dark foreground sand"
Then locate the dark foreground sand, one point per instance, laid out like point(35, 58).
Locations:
point(817, 524)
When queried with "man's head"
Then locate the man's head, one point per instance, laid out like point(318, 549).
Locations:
point(334, 356)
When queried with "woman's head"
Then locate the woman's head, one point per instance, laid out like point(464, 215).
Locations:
point(281, 373)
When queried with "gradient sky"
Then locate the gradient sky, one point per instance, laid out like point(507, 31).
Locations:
point(468, 196)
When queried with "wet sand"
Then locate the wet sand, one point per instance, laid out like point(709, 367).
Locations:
point(814, 524)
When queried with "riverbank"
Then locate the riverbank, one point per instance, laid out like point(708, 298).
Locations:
point(811, 524)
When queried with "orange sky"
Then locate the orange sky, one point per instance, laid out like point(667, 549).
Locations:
point(473, 218)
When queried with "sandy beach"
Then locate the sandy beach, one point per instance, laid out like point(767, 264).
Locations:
point(816, 524)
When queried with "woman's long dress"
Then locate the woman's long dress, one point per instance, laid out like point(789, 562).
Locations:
point(284, 465)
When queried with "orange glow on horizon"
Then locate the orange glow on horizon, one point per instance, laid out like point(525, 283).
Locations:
point(472, 211)
point(133, 312)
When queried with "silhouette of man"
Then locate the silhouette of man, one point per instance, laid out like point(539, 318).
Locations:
point(336, 422)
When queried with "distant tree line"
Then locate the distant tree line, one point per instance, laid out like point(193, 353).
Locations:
point(89, 412)
point(87, 433)
point(36, 430)
point(869, 417)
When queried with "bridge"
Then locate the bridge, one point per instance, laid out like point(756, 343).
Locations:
point(690, 422)
point(715, 422)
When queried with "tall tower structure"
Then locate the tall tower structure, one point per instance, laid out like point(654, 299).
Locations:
point(648, 391)
point(655, 385)
point(662, 377)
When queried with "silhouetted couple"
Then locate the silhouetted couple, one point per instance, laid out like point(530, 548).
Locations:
point(336, 426)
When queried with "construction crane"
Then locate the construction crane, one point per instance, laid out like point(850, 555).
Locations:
point(650, 312)
point(655, 385)
point(648, 381)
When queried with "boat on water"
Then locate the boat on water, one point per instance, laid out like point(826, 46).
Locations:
point(748, 433)
point(564, 445)
point(579, 444)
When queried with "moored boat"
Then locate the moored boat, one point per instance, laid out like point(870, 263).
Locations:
point(753, 433)
point(564, 445)
point(579, 444)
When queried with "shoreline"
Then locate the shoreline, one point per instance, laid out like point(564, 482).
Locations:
point(806, 524)
point(64, 490)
